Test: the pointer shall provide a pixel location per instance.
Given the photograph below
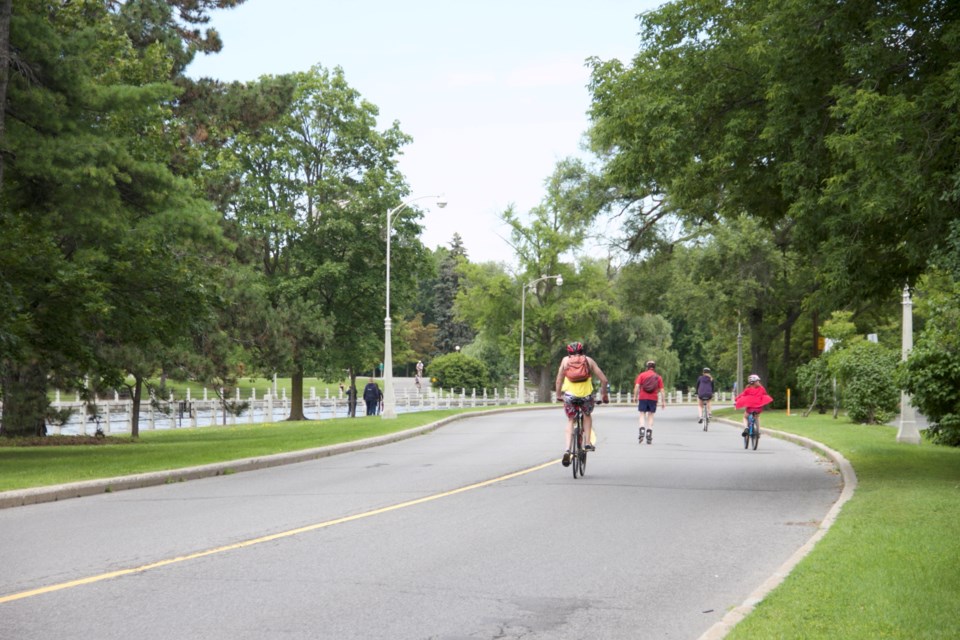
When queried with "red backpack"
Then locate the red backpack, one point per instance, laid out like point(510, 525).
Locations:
point(651, 383)
point(578, 369)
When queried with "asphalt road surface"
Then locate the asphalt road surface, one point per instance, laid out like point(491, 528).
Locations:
point(472, 531)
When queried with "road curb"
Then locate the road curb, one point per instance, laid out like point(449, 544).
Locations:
point(54, 493)
point(721, 628)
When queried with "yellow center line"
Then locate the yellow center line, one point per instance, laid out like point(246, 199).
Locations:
point(254, 541)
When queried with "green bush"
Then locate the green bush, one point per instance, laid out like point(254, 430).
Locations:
point(868, 374)
point(458, 371)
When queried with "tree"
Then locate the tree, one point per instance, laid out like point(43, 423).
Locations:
point(315, 184)
point(88, 189)
point(450, 331)
point(852, 144)
point(554, 315)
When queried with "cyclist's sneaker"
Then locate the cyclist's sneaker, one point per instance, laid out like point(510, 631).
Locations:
point(746, 432)
point(649, 436)
point(589, 447)
point(643, 432)
point(700, 421)
point(566, 459)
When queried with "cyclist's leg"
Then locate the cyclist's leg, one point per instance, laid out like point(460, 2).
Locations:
point(700, 409)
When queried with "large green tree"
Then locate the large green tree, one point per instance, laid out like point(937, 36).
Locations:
point(853, 142)
point(314, 186)
point(88, 192)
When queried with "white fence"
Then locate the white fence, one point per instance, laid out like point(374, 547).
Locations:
point(113, 416)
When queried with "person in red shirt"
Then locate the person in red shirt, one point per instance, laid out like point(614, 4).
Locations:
point(647, 400)
point(753, 399)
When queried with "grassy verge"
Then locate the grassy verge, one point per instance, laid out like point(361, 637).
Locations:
point(890, 565)
point(26, 467)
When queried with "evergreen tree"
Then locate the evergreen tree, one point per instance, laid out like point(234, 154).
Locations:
point(451, 332)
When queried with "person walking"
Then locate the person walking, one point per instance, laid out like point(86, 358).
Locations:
point(705, 393)
point(648, 388)
point(372, 395)
point(575, 381)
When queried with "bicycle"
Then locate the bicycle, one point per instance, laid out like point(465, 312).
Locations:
point(751, 435)
point(705, 416)
point(578, 455)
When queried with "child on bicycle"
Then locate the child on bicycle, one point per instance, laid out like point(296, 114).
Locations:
point(575, 380)
point(753, 399)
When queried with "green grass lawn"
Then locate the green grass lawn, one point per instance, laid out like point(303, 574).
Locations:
point(890, 565)
point(888, 568)
point(26, 467)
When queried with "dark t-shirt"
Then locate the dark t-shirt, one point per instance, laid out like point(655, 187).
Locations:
point(704, 386)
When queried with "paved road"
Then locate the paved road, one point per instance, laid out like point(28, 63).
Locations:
point(655, 542)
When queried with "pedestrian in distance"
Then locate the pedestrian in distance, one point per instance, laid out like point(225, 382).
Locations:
point(705, 393)
point(371, 396)
point(648, 388)
point(575, 381)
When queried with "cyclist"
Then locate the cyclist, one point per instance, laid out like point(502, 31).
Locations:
point(752, 400)
point(705, 392)
point(575, 380)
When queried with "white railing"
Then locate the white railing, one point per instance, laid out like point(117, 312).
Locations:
point(114, 414)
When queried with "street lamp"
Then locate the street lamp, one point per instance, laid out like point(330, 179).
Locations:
point(389, 400)
point(521, 391)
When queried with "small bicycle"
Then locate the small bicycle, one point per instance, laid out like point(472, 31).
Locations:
point(751, 435)
point(705, 416)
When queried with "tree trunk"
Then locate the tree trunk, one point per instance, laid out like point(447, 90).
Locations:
point(759, 346)
point(296, 395)
point(24, 400)
point(135, 416)
point(352, 395)
point(816, 386)
point(545, 383)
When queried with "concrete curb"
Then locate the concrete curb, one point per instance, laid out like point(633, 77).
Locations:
point(53, 493)
point(729, 621)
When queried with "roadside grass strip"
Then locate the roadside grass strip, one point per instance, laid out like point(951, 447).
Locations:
point(889, 567)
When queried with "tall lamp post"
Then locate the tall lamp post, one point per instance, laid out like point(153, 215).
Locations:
point(389, 399)
point(521, 391)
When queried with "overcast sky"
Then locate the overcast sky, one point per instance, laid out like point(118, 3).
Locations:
point(493, 93)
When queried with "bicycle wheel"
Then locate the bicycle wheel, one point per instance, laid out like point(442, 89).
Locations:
point(583, 461)
point(755, 436)
point(575, 457)
point(706, 419)
point(575, 450)
point(746, 433)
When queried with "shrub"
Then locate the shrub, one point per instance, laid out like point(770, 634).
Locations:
point(458, 371)
point(868, 373)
